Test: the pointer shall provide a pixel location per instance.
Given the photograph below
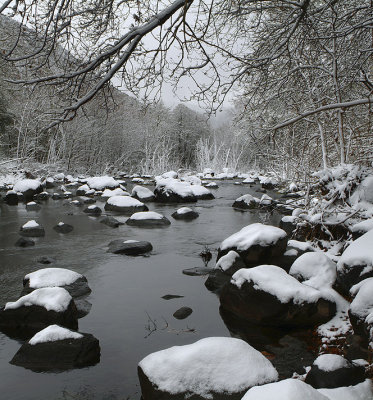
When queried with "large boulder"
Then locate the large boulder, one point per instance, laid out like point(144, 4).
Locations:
point(11, 198)
point(288, 389)
point(129, 247)
point(58, 349)
point(201, 192)
point(32, 229)
point(38, 309)
point(111, 221)
point(256, 244)
point(107, 193)
point(142, 193)
point(283, 300)
point(332, 371)
point(148, 219)
point(125, 205)
point(102, 183)
point(230, 263)
point(185, 213)
point(28, 188)
point(294, 250)
point(169, 190)
point(93, 210)
point(76, 284)
point(246, 202)
point(356, 262)
point(213, 368)
point(361, 228)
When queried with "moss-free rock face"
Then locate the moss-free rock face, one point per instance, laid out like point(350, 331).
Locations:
point(284, 302)
point(129, 247)
point(256, 244)
point(58, 349)
point(212, 368)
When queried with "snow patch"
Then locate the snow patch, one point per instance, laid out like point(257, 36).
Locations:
point(53, 333)
point(51, 277)
point(30, 224)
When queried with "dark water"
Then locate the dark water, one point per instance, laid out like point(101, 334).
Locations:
point(125, 290)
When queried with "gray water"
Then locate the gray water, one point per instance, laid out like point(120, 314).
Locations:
point(126, 291)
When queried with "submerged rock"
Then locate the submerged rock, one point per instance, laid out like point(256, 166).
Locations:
point(171, 296)
point(24, 242)
point(58, 349)
point(111, 221)
point(182, 313)
point(61, 227)
point(129, 247)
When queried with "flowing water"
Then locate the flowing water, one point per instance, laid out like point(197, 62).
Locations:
point(128, 315)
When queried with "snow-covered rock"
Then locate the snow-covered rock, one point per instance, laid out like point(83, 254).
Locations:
point(249, 181)
point(58, 349)
point(256, 244)
point(314, 269)
point(361, 306)
point(192, 179)
point(129, 247)
point(148, 219)
point(61, 227)
point(185, 213)
point(283, 300)
point(38, 309)
point(230, 263)
point(212, 185)
point(361, 228)
point(115, 192)
point(102, 183)
point(82, 190)
point(32, 229)
point(137, 180)
point(28, 187)
point(170, 174)
point(288, 223)
point(247, 201)
point(332, 371)
point(32, 206)
point(201, 193)
point(361, 391)
point(356, 262)
point(11, 198)
point(124, 204)
point(76, 284)
point(170, 190)
point(143, 194)
point(111, 221)
point(288, 389)
point(93, 210)
point(209, 368)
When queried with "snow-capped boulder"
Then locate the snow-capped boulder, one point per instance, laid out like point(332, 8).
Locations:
point(93, 210)
point(125, 205)
point(356, 262)
point(268, 183)
point(230, 263)
point(32, 206)
point(143, 194)
point(294, 249)
point(38, 309)
point(246, 202)
point(169, 174)
point(59, 177)
point(361, 391)
point(201, 192)
point(24, 242)
point(28, 188)
point(332, 371)
point(211, 368)
point(256, 244)
point(49, 183)
point(192, 179)
point(148, 219)
point(283, 300)
point(82, 190)
point(248, 181)
point(314, 269)
point(32, 229)
point(288, 223)
point(129, 247)
point(138, 180)
point(171, 190)
point(11, 198)
point(115, 192)
point(361, 306)
point(111, 221)
point(43, 196)
point(288, 389)
point(58, 349)
point(185, 213)
point(212, 185)
point(61, 227)
point(102, 183)
point(76, 284)
point(362, 227)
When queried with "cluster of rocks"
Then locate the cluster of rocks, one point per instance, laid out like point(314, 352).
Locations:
point(45, 318)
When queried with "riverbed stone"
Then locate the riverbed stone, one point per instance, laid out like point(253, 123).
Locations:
point(111, 221)
point(63, 228)
point(59, 355)
point(182, 313)
point(129, 247)
point(24, 242)
point(32, 206)
point(185, 213)
point(11, 198)
point(32, 229)
point(148, 219)
point(93, 210)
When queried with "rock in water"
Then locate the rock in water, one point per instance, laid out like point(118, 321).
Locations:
point(182, 313)
point(58, 349)
point(148, 219)
point(61, 227)
point(32, 229)
point(129, 247)
point(185, 213)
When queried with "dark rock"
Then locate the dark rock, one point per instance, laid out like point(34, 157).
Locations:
point(197, 271)
point(149, 223)
point(11, 198)
point(49, 184)
point(83, 307)
point(46, 260)
point(57, 196)
point(93, 210)
point(59, 355)
point(182, 313)
point(216, 280)
point(22, 242)
point(43, 196)
point(36, 231)
point(348, 375)
point(64, 228)
point(171, 296)
point(187, 216)
point(89, 201)
point(307, 231)
point(289, 224)
point(126, 209)
point(130, 248)
point(32, 207)
point(348, 277)
point(243, 302)
point(111, 221)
